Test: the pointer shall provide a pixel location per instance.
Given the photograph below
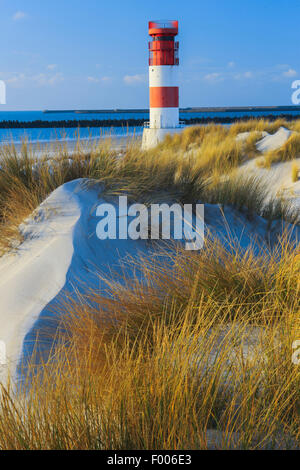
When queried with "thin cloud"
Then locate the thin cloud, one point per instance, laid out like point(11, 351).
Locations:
point(41, 79)
point(241, 76)
point(16, 80)
point(93, 79)
point(290, 73)
point(104, 79)
point(51, 66)
point(282, 66)
point(212, 77)
point(44, 79)
point(19, 15)
point(134, 79)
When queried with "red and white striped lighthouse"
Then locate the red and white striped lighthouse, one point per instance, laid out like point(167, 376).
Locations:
point(163, 82)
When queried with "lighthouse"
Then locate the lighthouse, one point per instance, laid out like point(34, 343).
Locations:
point(163, 82)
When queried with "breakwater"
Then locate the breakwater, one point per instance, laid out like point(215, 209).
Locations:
point(86, 123)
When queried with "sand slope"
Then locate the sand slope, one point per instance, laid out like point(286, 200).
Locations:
point(61, 254)
point(32, 276)
point(274, 141)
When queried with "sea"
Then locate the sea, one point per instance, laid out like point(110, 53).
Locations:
point(45, 135)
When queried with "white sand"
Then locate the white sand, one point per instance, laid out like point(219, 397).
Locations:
point(60, 241)
point(278, 178)
point(243, 136)
point(274, 141)
point(50, 149)
point(33, 275)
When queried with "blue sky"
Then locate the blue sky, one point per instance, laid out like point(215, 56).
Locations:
point(92, 54)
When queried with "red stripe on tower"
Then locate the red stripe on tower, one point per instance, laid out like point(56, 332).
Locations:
point(164, 97)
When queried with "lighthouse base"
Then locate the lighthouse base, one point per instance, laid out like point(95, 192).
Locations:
point(151, 137)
